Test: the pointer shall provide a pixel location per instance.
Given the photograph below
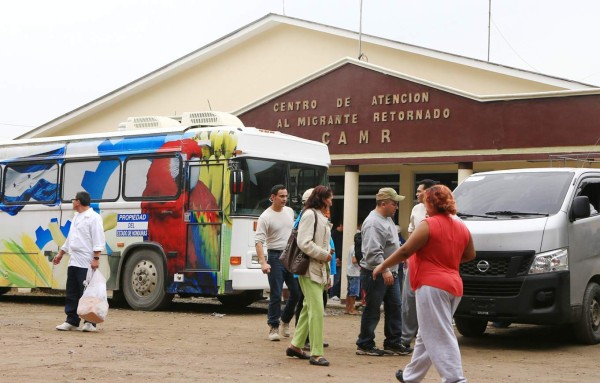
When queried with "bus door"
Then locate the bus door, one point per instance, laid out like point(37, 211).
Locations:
point(204, 219)
point(30, 219)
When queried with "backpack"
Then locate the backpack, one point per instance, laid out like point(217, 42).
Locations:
point(358, 247)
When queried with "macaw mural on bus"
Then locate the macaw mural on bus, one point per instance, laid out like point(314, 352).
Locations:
point(198, 244)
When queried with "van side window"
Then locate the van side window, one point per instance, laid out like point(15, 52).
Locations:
point(591, 189)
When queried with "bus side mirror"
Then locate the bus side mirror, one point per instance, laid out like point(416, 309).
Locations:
point(580, 207)
point(236, 181)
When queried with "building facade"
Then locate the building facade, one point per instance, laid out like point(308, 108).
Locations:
point(408, 113)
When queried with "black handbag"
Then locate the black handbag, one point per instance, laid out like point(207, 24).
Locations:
point(292, 258)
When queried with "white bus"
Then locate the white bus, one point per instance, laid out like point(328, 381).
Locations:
point(179, 204)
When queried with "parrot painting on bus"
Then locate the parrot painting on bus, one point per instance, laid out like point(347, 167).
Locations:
point(197, 243)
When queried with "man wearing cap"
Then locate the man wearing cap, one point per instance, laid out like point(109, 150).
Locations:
point(379, 241)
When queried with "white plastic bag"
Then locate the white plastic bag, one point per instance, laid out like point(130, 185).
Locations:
point(93, 304)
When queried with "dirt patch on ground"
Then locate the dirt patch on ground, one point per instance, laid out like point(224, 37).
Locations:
point(195, 342)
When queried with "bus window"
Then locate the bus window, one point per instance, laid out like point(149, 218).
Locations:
point(261, 175)
point(100, 178)
point(152, 178)
point(31, 183)
point(302, 178)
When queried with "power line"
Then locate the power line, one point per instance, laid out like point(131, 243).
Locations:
point(510, 46)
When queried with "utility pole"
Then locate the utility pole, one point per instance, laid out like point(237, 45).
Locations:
point(489, 26)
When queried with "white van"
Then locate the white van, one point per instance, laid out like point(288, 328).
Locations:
point(537, 237)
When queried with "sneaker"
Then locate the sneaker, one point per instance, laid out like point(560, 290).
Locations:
point(285, 329)
point(373, 351)
point(66, 327)
point(88, 327)
point(407, 346)
point(397, 349)
point(274, 334)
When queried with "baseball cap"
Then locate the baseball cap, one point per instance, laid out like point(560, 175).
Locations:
point(307, 194)
point(388, 193)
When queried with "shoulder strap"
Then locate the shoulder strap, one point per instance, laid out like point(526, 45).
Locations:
point(315, 228)
point(297, 221)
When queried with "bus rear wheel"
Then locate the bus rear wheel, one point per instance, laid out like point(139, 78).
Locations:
point(587, 329)
point(144, 281)
point(470, 327)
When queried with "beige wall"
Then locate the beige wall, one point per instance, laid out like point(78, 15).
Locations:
point(268, 62)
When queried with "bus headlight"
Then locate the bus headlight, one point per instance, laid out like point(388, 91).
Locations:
point(555, 260)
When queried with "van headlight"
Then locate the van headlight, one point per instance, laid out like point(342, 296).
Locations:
point(555, 260)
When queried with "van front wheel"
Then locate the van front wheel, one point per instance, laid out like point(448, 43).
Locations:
point(587, 329)
point(470, 327)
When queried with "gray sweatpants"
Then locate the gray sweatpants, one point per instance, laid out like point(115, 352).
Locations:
point(436, 342)
point(410, 325)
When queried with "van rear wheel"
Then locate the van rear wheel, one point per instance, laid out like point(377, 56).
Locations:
point(587, 328)
point(470, 327)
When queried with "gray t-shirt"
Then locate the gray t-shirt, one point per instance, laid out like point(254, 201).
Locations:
point(379, 240)
point(274, 228)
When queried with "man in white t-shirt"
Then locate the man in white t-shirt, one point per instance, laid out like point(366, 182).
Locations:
point(273, 231)
point(410, 326)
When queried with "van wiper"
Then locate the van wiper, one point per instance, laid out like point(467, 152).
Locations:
point(467, 215)
point(510, 212)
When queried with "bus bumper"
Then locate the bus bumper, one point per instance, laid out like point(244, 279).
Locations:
point(249, 279)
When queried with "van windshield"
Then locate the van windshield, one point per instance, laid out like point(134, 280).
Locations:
point(510, 195)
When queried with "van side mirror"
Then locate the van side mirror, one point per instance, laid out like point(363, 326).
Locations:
point(236, 181)
point(580, 207)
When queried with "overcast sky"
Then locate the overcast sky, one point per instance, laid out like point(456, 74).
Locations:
point(61, 54)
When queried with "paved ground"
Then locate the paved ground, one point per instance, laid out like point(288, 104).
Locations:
point(194, 342)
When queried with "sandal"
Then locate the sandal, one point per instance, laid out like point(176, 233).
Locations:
point(296, 354)
point(320, 361)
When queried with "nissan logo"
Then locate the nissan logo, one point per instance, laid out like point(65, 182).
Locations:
point(483, 266)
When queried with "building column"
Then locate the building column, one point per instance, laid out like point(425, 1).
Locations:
point(406, 188)
point(350, 221)
point(465, 169)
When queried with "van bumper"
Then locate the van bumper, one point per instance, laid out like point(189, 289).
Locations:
point(533, 299)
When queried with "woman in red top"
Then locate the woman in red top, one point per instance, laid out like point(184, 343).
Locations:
point(439, 244)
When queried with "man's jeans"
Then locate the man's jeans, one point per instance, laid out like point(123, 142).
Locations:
point(376, 293)
point(277, 276)
point(75, 278)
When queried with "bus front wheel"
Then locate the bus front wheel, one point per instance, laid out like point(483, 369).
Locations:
point(144, 281)
point(587, 329)
point(470, 327)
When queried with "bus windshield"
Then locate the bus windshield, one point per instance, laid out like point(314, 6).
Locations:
point(512, 194)
point(261, 175)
